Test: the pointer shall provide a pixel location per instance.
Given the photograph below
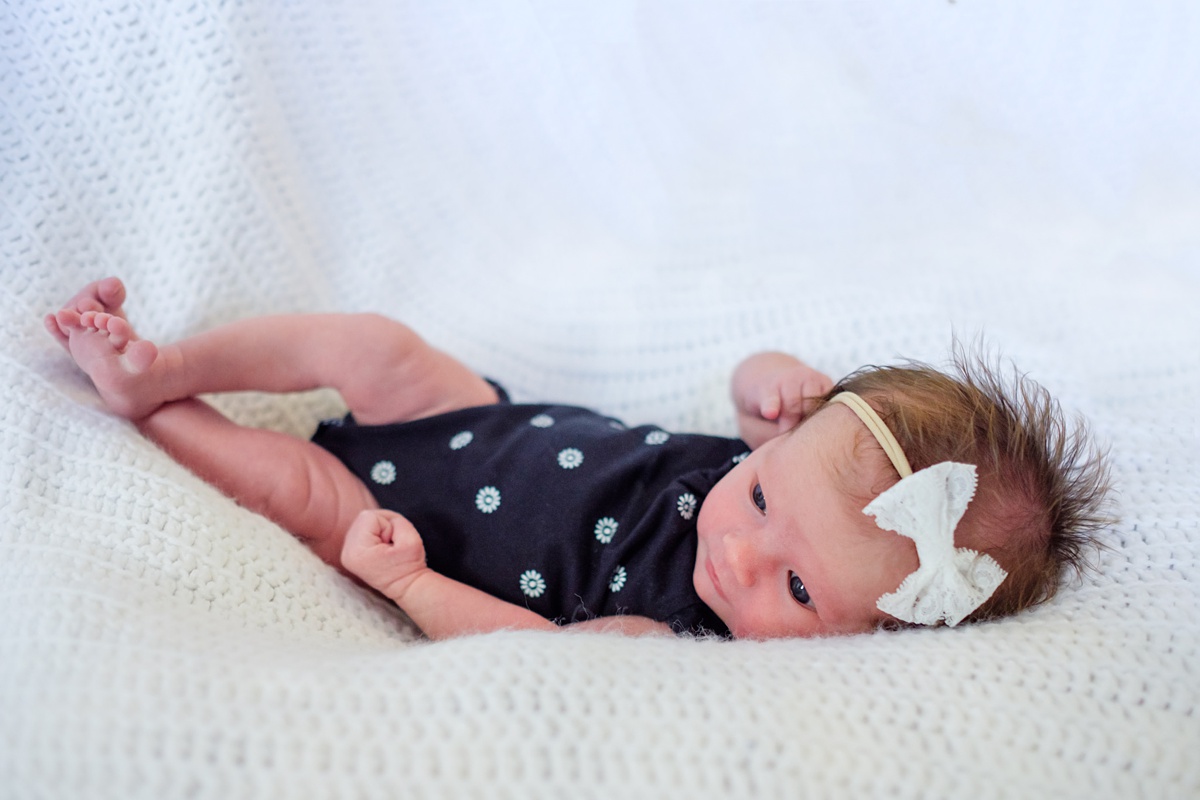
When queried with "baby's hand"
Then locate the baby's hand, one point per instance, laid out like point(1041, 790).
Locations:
point(789, 395)
point(772, 392)
point(385, 551)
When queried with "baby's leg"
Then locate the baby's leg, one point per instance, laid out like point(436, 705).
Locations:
point(384, 371)
point(293, 482)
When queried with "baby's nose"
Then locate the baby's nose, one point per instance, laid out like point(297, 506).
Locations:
point(743, 560)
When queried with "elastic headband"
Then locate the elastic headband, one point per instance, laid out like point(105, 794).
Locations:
point(877, 428)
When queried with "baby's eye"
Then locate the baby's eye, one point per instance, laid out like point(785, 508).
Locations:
point(759, 499)
point(799, 593)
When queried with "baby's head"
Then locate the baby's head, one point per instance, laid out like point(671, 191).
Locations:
point(1043, 484)
point(785, 549)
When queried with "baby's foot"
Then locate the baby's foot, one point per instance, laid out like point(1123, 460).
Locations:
point(105, 295)
point(126, 370)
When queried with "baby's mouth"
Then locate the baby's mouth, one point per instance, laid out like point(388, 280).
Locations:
point(712, 576)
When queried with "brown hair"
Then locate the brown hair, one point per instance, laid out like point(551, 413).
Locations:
point(1043, 483)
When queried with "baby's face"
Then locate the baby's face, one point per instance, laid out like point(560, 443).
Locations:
point(784, 548)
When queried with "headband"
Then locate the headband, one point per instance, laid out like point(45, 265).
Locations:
point(878, 429)
point(926, 506)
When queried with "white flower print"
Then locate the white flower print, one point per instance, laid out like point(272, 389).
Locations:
point(657, 437)
point(532, 583)
point(686, 505)
point(383, 473)
point(461, 440)
point(542, 421)
point(617, 583)
point(487, 499)
point(740, 457)
point(570, 458)
point(606, 529)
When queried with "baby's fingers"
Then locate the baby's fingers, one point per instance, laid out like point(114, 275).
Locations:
point(800, 393)
point(770, 406)
point(364, 532)
point(382, 546)
point(402, 534)
point(385, 522)
point(819, 386)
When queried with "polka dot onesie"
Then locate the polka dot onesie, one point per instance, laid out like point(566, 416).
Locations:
point(555, 508)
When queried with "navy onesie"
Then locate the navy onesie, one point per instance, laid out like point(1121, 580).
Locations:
point(552, 507)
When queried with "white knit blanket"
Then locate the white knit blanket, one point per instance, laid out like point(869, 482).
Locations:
point(606, 204)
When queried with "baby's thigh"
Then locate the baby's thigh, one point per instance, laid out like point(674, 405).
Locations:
point(318, 499)
point(408, 379)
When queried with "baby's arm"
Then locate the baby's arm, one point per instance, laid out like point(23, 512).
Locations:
point(772, 392)
point(386, 552)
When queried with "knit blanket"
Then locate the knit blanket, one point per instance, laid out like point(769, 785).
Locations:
point(607, 205)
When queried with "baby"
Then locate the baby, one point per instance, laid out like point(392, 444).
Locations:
point(474, 514)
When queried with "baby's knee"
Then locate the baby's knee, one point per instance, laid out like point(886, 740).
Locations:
point(390, 339)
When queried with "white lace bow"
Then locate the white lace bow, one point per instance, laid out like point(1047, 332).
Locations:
point(950, 582)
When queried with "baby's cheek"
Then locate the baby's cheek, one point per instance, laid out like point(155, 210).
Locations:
point(750, 623)
point(781, 623)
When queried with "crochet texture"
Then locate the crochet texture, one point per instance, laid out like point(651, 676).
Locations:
point(606, 205)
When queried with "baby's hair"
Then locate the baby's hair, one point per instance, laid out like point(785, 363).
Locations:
point(1043, 483)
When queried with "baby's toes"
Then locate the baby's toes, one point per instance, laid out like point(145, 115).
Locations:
point(111, 294)
point(68, 320)
point(54, 329)
point(116, 329)
point(120, 332)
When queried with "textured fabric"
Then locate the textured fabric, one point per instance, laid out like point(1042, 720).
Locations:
point(607, 204)
point(555, 508)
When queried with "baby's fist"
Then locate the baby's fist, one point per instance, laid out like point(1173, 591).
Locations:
point(791, 394)
point(384, 550)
